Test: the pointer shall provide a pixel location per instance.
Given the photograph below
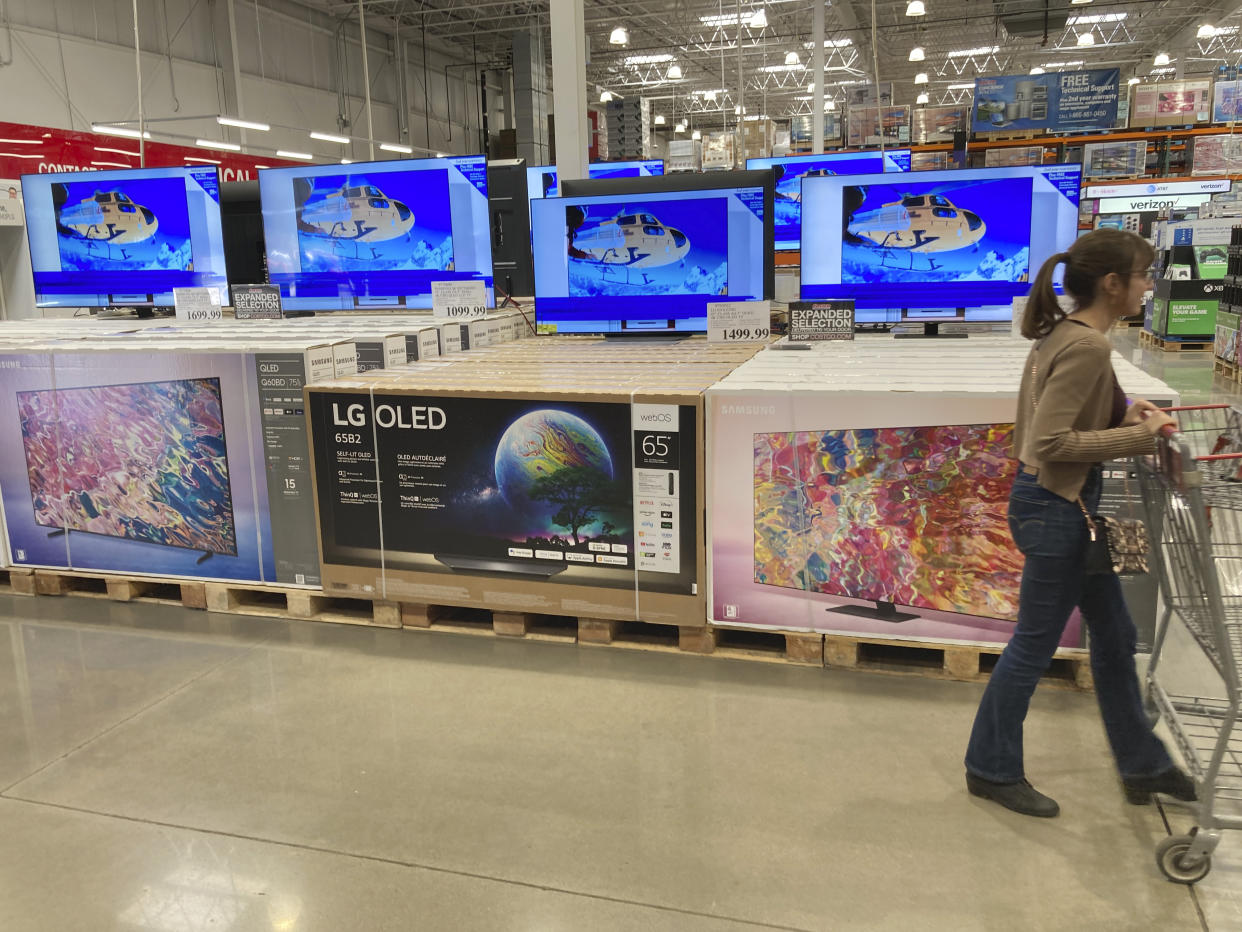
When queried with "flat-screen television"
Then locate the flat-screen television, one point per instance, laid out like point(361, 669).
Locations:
point(911, 516)
point(647, 255)
point(541, 179)
point(375, 234)
point(145, 461)
point(124, 237)
point(937, 245)
point(789, 170)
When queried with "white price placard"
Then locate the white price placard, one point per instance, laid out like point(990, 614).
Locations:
point(458, 299)
point(197, 305)
point(738, 321)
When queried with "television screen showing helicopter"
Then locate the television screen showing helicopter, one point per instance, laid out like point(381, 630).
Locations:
point(966, 238)
point(123, 237)
point(375, 234)
point(349, 222)
point(789, 171)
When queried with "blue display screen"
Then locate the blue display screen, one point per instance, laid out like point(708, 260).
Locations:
point(375, 234)
point(943, 239)
point(791, 169)
point(124, 237)
point(648, 262)
point(541, 179)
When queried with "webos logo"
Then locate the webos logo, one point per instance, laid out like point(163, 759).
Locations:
point(404, 417)
point(656, 418)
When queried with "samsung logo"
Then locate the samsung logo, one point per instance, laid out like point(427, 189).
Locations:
point(748, 409)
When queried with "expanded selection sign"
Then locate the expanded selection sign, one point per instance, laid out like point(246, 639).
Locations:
point(821, 320)
point(256, 302)
point(1061, 101)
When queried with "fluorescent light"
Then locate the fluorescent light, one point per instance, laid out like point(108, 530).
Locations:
point(39, 142)
point(1086, 39)
point(791, 58)
point(394, 147)
point(831, 44)
point(696, 135)
point(674, 72)
point(1206, 31)
point(916, 53)
point(1162, 58)
point(1079, 2)
point(1062, 65)
point(191, 158)
point(442, 155)
point(922, 98)
point(1095, 18)
point(709, 96)
point(961, 87)
point(920, 78)
point(347, 161)
point(304, 156)
point(112, 164)
point(213, 144)
point(605, 96)
point(632, 61)
point(975, 53)
point(119, 131)
point(680, 127)
point(759, 20)
point(659, 119)
point(619, 36)
point(105, 149)
point(780, 69)
point(1134, 81)
point(830, 104)
point(1037, 70)
point(243, 124)
point(329, 137)
point(16, 155)
point(1163, 70)
point(916, 8)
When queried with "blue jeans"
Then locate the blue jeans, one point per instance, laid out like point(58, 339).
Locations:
point(1052, 535)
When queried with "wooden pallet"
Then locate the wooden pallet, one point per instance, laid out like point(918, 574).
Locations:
point(301, 604)
point(1223, 367)
point(1175, 345)
point(108, 586)
point(16, 580)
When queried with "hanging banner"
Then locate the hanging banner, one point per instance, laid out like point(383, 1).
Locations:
point(1061, 101)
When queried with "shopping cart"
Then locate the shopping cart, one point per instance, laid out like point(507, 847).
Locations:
point(1192, 492)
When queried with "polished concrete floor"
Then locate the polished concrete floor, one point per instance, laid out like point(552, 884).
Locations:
point(171, 770)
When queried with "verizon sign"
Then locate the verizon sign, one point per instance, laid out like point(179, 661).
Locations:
point(1153, 189)
point(1144, 203)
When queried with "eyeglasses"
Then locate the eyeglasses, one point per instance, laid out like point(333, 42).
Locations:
point(1148, 273)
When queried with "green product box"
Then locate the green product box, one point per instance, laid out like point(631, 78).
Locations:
point(1186, 309)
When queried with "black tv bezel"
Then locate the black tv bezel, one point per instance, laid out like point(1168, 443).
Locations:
point(223, 436)
point(687, 181)
point(137, 172)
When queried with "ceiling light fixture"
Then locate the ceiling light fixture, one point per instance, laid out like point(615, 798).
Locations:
point(633, 61)
point(674, 72)
point(922, 98)
point(1161, 59)
point(1037, 70)
point(659, 119)
point(619, 36)
point(916, 8)
point(347, 161)
point(1134, 81)
point(920, 78)
point(300, 156)
point(119, 131)
point(916, 53)
point(1079, 2)
point(243, 124)
point(976, 52)
point(680, 127)
point(759, 20)
point(393, 147)
point(709, 96)
point(791, 58)
point(212, 144)
point(830, 104)
point(605, 96)
point(1086, 39)
point(1206, 31)
point(696, 135)
point(329, 137)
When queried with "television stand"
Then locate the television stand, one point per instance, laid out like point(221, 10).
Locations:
point(932, 329)
point(206, 555)
point(883, 611)
point(59, 532)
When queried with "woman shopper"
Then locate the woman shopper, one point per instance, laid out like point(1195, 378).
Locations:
point(1072, 415)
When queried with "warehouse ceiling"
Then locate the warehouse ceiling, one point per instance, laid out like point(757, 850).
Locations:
point(959, 38)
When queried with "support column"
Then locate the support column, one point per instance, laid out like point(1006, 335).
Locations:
point(569, 90)
point(366, 76)
point(530, 97)
point(817, 65)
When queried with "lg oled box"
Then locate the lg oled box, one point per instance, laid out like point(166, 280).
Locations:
point(963, 239)
point(548, 505)
point(376, 234)
point(124, 237)
point(650, 261)
point(789, 170)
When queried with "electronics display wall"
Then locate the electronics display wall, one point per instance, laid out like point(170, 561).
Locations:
point(123, 237)
point(375, 235)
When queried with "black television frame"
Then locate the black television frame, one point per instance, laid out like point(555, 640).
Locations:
point(707, 181)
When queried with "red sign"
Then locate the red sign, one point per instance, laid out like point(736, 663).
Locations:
point(30, 150)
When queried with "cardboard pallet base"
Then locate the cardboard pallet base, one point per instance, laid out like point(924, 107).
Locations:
point(1175, 344)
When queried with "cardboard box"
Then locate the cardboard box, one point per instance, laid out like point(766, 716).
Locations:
point(1186, 309)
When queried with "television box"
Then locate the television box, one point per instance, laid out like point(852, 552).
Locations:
point(1186, 309)
point(382, 352)
point(423, 344)
point(508, 480)
point(450, 338)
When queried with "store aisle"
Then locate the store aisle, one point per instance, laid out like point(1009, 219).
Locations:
point(166, 769)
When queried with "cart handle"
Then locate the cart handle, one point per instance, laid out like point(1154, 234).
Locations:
point(1196, 408)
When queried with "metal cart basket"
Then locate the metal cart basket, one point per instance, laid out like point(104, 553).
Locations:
point(1192, 492)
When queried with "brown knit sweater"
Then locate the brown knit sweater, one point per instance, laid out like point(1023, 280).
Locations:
point(1068, 430)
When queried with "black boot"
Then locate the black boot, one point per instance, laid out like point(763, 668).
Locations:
point(1173, 782)
point(1020, 797)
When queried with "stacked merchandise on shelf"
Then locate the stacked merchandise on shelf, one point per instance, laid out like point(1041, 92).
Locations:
point(1229, 314)
point(181, 450)
point(629, 129)
point(560, 476)
point(758, 136)
point(684, 155)
point(873, 476)
point(1172, 103)
point(1189, 291)
point(719, 152)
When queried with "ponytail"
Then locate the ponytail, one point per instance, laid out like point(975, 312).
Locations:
point(1089, 260)
point(1043, 310)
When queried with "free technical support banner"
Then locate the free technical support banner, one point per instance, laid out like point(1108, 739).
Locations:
point(1062, 101)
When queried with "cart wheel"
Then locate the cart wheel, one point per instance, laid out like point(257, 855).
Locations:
point(1176, 865)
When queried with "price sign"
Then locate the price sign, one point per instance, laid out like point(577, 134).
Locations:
point(821, 320)
point(197, 305)
point(458, 300)
point(738, 321)
point(257, 302)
